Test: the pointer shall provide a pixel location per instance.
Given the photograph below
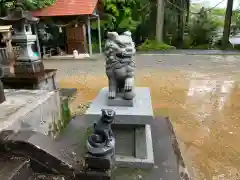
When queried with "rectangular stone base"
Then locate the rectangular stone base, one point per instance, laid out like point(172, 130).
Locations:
point(44, 80)
point(99, 163)
point(30, 110)
point(140, 113)
point(118, 101)
point(96, 175)
point(134, 148)
point(28, 67)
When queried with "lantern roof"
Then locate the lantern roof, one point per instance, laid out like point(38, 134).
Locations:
point(18, 14)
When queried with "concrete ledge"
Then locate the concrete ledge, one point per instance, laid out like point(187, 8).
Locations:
point(139, 161)
point(141, 113)
point(29, 110)
point(166, 159)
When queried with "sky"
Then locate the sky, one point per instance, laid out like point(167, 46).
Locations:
point(212, 3)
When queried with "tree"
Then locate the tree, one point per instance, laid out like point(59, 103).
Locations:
point(28, 4)
point(37, 4)
point(176, 18)
point(122, 15)
point(160, 20)
point(202, 28)
point(227, 24)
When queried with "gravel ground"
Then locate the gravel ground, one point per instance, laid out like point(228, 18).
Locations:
point(198, 63)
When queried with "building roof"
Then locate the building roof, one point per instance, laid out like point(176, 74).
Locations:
point(68, 8)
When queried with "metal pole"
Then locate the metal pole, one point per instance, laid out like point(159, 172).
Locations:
point(99, 35)
point(89, 36)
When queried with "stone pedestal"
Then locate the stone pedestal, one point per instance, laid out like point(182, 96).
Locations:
point(140, 114)
point(44, 80)
point(119, 101)
point(132, 129)
point(99, 163)
point(31, 67)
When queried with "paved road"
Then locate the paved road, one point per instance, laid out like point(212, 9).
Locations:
point(200, 63)
point(197, 52)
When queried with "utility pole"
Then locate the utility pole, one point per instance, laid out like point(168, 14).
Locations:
point(227, 24)
point(160, 20)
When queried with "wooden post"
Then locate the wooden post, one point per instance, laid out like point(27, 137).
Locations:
point(99, 35)
point(89, 36)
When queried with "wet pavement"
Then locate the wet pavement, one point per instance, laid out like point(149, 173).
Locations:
point(200, 94)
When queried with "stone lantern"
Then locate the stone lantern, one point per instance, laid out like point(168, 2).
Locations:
point(27, 62)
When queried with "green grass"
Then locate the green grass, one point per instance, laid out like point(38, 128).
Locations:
point(152, 45)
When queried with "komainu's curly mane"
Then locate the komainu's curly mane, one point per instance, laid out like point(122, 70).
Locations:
point(119, 50)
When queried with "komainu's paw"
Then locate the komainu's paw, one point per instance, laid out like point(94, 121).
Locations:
point(111, 95)
point(128, 85)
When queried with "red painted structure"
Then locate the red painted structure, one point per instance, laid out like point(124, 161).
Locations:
point(68, 8)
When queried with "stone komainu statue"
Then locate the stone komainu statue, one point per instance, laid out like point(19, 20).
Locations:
point(120, 52)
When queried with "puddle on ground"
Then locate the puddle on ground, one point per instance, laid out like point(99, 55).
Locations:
point(204, 109)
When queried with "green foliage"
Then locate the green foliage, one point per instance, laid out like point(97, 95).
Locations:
point(66, 114)
point(187, 42)
point(202, 28)
point(152, 45)
point(218, 12)
point(118, 16)
point(58, 126)
point(122, 15)
point(37, 4)
point(28, 4)
point(176, 17)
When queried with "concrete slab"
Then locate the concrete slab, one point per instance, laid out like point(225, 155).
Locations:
point(167, 159)
point(30, 110)
point(141, 113)
point(125, 141)
point(143, 150)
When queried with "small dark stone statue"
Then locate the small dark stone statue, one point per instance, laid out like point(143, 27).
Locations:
point(101, 144)
point(120, 52)
point(2, 96)
point(102, 141)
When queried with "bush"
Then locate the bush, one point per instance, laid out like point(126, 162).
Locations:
point(202, 28)
point(201, 46)
point(152, 45)
point(187, 42)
